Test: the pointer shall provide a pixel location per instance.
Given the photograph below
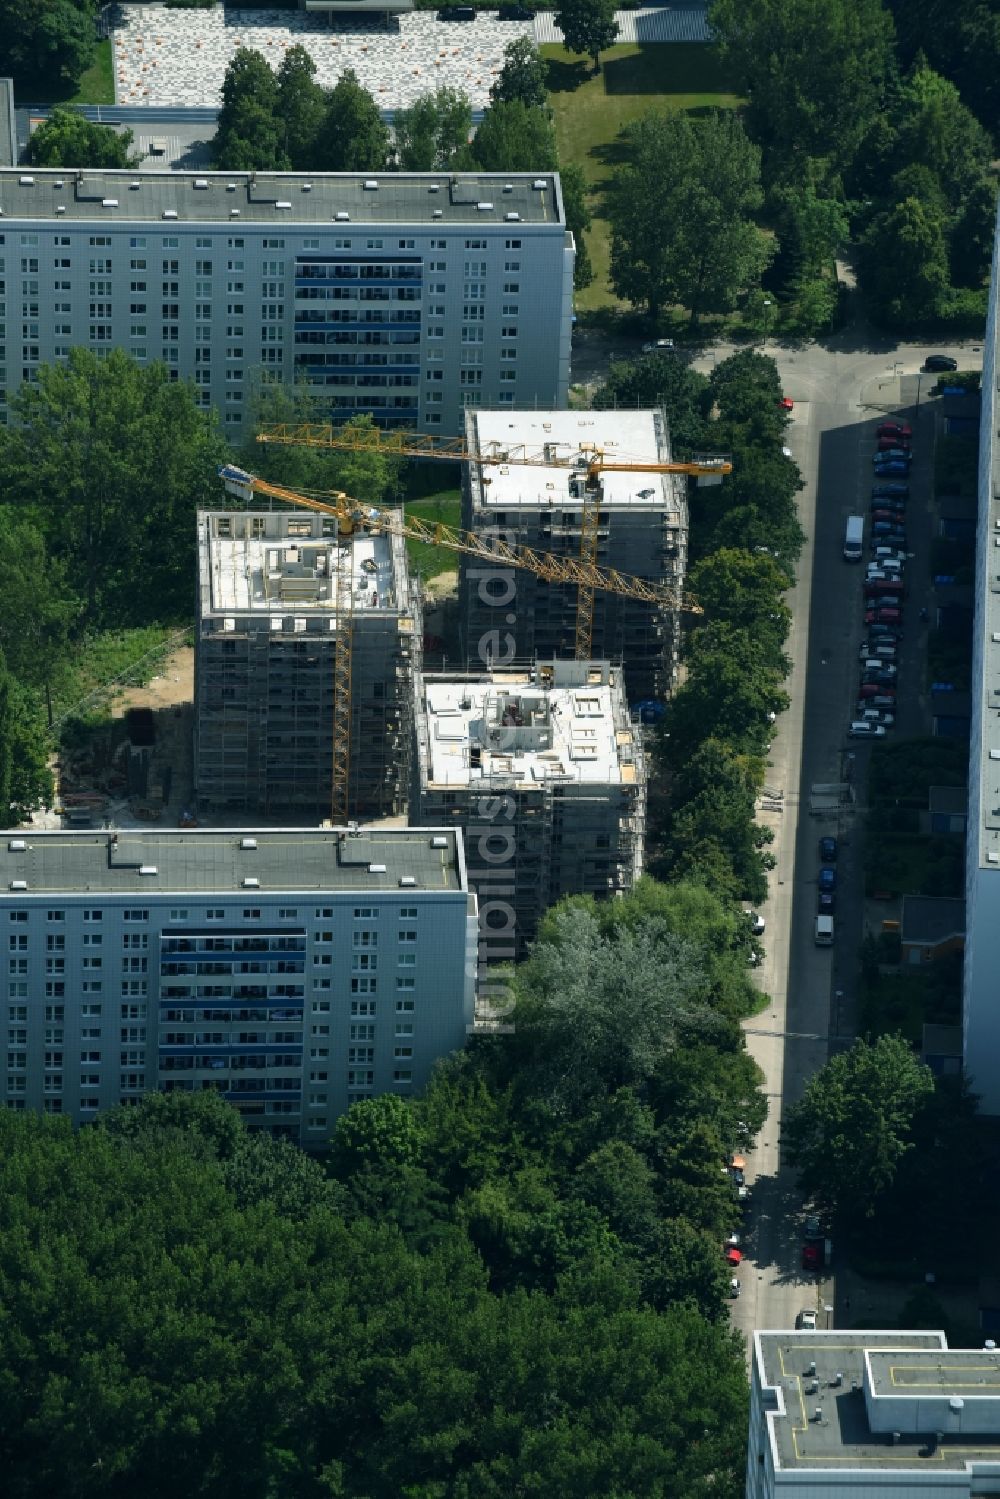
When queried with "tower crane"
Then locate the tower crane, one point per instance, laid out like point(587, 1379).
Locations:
point(587, 457)
point(353, 516)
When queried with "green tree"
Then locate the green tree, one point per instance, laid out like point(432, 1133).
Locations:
point(961, 39)
point(905, 261)
point(728, 695)
point(849, 1133)
point(935, 130)
point(588, 26)
point(574, 193)
point(745, 591)
point(815, 74)
point(352, 137)
point(972, 235)
point(433, 132)
point(299, 107)
point(662, 380)
point(368, 474)
point(38, 608)
point(248, 135)
point(515, 137)
point(67, 139)
point(522, 77)
point(679, 211)
point(114, 460)
point(48, 42)
point(25, 779)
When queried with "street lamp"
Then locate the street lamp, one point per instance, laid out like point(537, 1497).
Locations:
point(767, 304)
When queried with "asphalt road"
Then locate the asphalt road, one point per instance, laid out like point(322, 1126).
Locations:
point(840, 390)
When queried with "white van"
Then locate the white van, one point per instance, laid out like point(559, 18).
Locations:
point(824, 931)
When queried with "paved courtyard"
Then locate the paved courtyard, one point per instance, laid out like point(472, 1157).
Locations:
point(179, 57)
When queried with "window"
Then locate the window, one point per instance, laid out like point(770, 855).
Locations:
point(179, 914)
point(512, 286)
point(403, 1075)
point(92, 939)
point(139, 242)
point(512, 265)
point(215, 913)
point(475, 244)
point(471, 377)
point(363, 1006)
point(18, 916)
point(402, 1051)
point(472, 334)
point(407, 936)
point(272, 244)
point(135, 913)
point(510, 309)
point(203, 243)
point(18, 941)
point(404, 1027)
point(512, 244)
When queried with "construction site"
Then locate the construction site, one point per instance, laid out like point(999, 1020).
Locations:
point(602, 487)
point(277, 590)
point(543, 770)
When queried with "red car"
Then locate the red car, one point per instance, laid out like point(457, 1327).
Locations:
point(893, 442)
point(733, 1256)
point(812, 1256)
point(894, 429)
point(787, 404)
point(875, 689)
point(883, 616)
point(875, 586)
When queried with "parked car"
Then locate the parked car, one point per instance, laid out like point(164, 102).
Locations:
point(886, 699)
point(888, 505)
point(735, 1288)
point(812, 1256)
point(515, 13)
point(787, 404)
point(876, 690)
point(881, 650)
point(889, 455)
point(863, 730)
point(827, 901)
point(885, 552)
point(893, 444)
point(827, 878)
point(893, 490)
point(889, 534)
point(732, 1254)
point(886, 465)
point(893, 429)
point(877, 715)
point(658, 346)
point(886, 678)
point(806, 1320)
point(938, 363)
point(457, 13)
point(883, 615)
point(757, 923)
point(828, 850)
point(885, 633)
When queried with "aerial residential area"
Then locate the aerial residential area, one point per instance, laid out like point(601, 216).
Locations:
point(498, 714)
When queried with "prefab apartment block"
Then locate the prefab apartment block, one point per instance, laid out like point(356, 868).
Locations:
point(266, 634)
point(295, 970)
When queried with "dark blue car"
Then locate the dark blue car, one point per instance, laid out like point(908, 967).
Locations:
point(828, 879)
point(828, 850)
point(892, 466)
point(890, 491)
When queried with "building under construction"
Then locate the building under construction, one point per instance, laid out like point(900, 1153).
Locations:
point(273, 589)
point(641, 526)
point(544, 772)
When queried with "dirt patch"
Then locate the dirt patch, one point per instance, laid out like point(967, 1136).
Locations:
point(172, 686)
point(444, 585)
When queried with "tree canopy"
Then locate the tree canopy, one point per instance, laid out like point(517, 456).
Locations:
point(352, 137)
point(522, 76)
point(680, 214)
point(515, 137)
point(46, 42)
point(433, 133)
point(68, 139)
point(248, 136)
point(588, 26)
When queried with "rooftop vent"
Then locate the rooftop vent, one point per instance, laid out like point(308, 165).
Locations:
point(148, 869)
point(248, 843)
point(26, 181)
point(230, 187)
point(406, 880)
point(993, 857)
point(512, 218)
point(16, 846)
point(169, 213)
point(371, 186)
point(234, 213)
point(200, 183)
point(58, 182)
point(283, 203)
point(342, 217)
point(435, 187)
point(60, 208)
point(251, 882)
point(995, 754)
point(484, 207)
point(540, 183)
point(134, 187)
point(956, 1404)
point(437, 213)
point(307, 187)
point(109, 202)
point(508, 187)
point(19, 884)
point(439, 842)
point(376, 869)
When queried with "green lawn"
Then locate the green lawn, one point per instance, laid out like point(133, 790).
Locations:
point(444, 506)
point(97, 84)
point(591, 110)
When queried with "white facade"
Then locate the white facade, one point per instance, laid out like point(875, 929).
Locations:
point(981, 987)
point(876, 1415)
point(295, 970)
point(412, 297)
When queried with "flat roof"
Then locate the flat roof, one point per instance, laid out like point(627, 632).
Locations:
point(312, 198)
point(640, 436)
point(932, 918)
point(512, 725)
point(846, 1376)
point(260, 568)
point(214, 861)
